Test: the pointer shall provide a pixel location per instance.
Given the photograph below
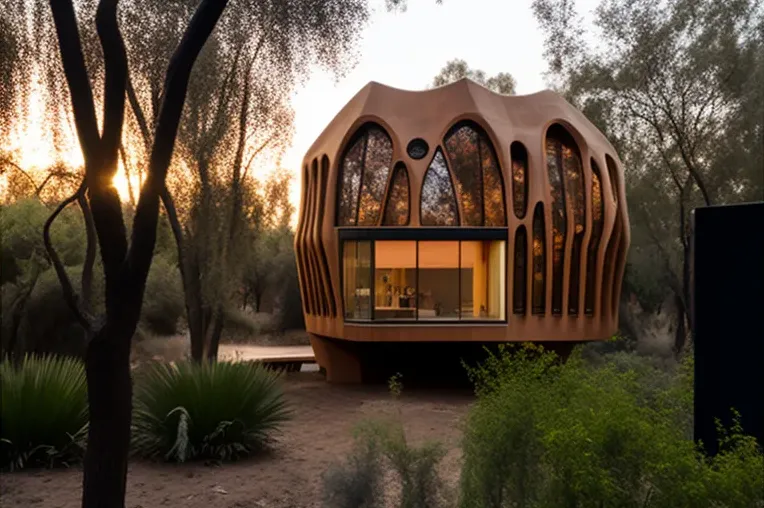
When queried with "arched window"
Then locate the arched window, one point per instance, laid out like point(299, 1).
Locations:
point(598, 215)
point(397, 206)
point(519, 178)
point(438, 203)
point(567, 194)
point(478, 178)
point(364, 170)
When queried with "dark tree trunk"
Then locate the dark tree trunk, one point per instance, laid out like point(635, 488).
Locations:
point(107, 365)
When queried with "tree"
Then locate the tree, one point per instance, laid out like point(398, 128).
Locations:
point(675, 85)
point(125, 264)
point(457, 69)
point(250, 70)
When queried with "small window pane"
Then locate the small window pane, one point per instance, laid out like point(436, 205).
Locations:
point(376, 170)
point(493, 187)
point(483, 280)
point(350, 183)
point(539, 261)
point(395, 280)
point(438, 206)
point(438, 286)
point(519, 179)
point(356, 266)
point(397, 208)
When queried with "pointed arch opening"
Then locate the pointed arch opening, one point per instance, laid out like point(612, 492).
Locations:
point(438, 200)
point(519, 156)
point(479, 184)
point(398, 198)
point(364, 171)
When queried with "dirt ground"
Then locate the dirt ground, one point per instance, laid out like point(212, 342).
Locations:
point(319, 434)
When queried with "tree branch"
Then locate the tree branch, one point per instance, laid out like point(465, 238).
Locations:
point(76, 76)
point(176, 85)
point(66, 284)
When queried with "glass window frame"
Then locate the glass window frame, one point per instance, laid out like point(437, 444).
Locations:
point(429, 234)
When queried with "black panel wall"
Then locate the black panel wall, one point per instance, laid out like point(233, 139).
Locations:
point(728, 302)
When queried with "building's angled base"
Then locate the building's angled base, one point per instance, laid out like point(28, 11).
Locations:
point(439, 363)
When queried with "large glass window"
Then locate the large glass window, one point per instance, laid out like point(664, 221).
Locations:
point(482, 280)
point(395, 280)
point(357, 279)
point(438, 280)
point(424, 280)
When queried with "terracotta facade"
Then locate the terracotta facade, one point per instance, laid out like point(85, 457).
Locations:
point(458, 214)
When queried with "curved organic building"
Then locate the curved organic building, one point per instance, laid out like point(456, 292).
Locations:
point(458, 215)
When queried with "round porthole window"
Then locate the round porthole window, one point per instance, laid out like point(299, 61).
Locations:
point(417, 148)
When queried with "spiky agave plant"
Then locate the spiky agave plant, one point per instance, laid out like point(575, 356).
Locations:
point(219, 411)
point(44, 414)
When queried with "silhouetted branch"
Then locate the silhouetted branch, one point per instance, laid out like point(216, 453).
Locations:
point(66, 284)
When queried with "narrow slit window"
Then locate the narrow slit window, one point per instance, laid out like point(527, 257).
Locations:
point(554, 161)
point(520, 274)
point(519, 179)
point(539, 261)
point(598, 213)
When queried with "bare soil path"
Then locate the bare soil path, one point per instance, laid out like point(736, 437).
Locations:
point(290, 476)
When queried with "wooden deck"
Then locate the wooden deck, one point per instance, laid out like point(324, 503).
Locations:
point(290, 358)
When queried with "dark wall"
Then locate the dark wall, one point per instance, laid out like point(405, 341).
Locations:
point(728, 303)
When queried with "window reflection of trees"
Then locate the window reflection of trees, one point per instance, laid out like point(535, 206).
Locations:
point(519, 158)
point(567, 195)
point(598, 214)
point(397, 206)
point(364, 171)
point(478, 178)
point(539, 260)
point(438, 203)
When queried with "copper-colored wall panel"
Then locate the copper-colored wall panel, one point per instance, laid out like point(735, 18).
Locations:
point(577, 295)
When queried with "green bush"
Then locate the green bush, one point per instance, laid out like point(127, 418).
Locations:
point(218, 411)
point(44, 411)
point(22, 223)
point(546, 434)
point(163, 304)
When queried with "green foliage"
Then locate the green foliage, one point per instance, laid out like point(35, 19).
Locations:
point(163, 303)
point(457, 69)
point(22, 223)
point(218, 411)
point(44, 411)
point(610, 433)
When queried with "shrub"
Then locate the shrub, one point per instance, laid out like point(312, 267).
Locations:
point(218, 411)
point(44, 411)
point(547, 434)
point(356, 483)
point(163, 305)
